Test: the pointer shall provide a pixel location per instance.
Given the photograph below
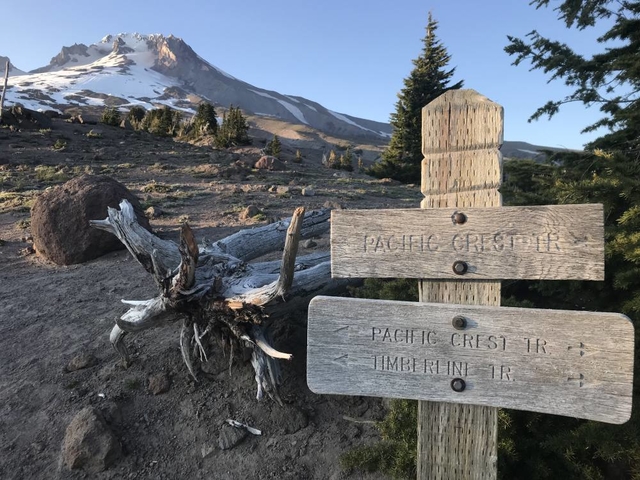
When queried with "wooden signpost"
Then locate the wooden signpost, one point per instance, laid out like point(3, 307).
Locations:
point(460, 359)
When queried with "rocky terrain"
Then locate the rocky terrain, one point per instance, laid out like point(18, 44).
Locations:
point(60, 381)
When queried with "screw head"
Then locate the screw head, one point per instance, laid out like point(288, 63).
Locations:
point(459, 218)
point(460, 267)
point(458, 385)
point(459, 322)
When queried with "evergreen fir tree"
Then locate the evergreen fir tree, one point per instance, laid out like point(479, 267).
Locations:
point(136, 115)
point(234, 129)
point(332, 161)
point(610, 79)
point(204, 121)
point(166, 121)
point(238, 127)
point(274, 147)
point(159, 121)
point(429, 79)
point(221, 140)
point(176, 122)
point(145, 123)
point(111, 116)
point(346, 160)
point(544, 446)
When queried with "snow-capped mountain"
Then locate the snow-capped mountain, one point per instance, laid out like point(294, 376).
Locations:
point(150, 70)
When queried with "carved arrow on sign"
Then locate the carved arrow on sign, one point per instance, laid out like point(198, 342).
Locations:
point(579, 347)
point(578, 380)
point(342, 359)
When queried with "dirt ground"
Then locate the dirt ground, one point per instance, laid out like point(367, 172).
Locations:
point(49, 314)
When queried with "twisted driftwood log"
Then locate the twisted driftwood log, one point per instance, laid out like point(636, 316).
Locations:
point(215, 290)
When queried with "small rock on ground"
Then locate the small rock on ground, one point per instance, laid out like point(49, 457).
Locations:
point(268, 162)
point(80, 361)
point(206, 450)
point(231, 436)
point(249, 212)
point(89, 443)
point(153, 212)
point(389, 181)
point(159, 383)
point(26, 251)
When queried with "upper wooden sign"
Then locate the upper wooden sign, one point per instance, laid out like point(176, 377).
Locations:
point(559, 242)
point(572, 363)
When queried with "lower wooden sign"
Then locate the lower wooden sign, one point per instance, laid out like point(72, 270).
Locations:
point(571, 363)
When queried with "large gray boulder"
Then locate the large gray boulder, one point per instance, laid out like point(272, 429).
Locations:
point(60, 219)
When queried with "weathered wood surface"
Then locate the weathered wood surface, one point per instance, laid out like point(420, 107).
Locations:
point(542, 242)
point(572, 363)
point(461, 135)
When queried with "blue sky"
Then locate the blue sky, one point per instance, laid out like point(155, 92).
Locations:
point(350, 55)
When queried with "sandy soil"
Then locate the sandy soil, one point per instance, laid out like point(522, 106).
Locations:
point(49, 314)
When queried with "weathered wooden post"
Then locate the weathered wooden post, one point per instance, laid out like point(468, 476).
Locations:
point(4, 89)
point(462, 132)
point(458, 352)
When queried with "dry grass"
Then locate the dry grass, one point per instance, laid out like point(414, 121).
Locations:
point(154, 187)
point(17, 201)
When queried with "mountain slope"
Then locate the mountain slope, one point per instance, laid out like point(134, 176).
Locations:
point(152, 70)
point(12, 68)
point(521, 150)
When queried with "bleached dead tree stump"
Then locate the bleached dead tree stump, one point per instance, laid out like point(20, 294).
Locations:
point(4, 87)
point(214, 289)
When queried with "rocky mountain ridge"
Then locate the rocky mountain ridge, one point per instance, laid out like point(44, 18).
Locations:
point(153, 70)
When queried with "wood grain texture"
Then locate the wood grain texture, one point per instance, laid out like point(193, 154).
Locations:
point(572, 363)
point(541, 242)
point(461, 454)
point(461, 135)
